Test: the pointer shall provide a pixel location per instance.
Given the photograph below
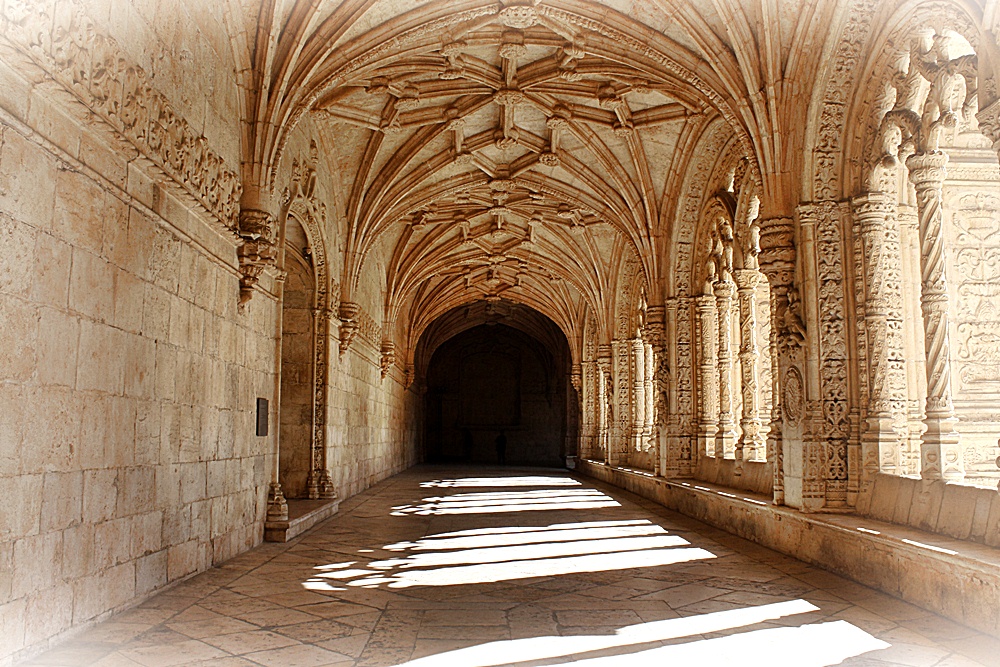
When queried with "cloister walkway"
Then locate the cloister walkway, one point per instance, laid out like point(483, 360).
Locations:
point(477, 567)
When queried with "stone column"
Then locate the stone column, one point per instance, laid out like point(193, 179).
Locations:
point(649, 378)
point(588, 415)
point(638, 426)
point(725, 439)
point(883, 331)
point(622, 424)
point(319, 484)
point(752, 441)
point(777, 262)
point(940, 451)
point(913, 343)
point(708, 376)
point(604, 398)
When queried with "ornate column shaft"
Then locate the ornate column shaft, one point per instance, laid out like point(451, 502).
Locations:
point(708, 376)
point(604, 399)
point(752, 441)
point(725, 439)
point(638, 426)
point(940, 452)
point(777, 263)
point(622, 425)
point(588, 414)
point(913, 342)
point(319, 483)
point(648, 377)
point(883, 331)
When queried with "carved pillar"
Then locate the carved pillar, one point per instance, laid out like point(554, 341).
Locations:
point(708, 376)
point(605, 396)
point(752, 441)
point(319, 484)
point(649, 356)
point(670, 456)
point(657, 389)
point(940, 452)
point(574, 409)
point(725, 438)
point(638, 426)
point(883, 332)
point(588, 415)
point(913, 342)
point(777, 263)
point(622, 425)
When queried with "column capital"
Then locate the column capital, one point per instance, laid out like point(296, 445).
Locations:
point(927, 170)
point(873, 206)
point(777, 250)
point(746, 279)
point(724, 289)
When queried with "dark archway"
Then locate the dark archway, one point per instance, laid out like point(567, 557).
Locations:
point(492, 378)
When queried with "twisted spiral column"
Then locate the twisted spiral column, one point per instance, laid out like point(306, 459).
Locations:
point(940, 450)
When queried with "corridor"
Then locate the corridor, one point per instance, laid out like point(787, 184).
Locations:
point(477, 567)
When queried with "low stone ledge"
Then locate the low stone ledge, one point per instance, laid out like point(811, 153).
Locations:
point(302, 515)
point(954, 578)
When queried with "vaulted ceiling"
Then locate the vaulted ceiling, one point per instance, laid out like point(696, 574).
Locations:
point(517, 150)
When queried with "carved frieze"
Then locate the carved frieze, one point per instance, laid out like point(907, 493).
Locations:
point(67, 45)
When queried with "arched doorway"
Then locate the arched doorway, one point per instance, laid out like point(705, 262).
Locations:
point(297, 363)
point(495, 378)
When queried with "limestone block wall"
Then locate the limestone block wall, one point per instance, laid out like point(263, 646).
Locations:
point(372, 422)
point(127, 378)
point(296, 379)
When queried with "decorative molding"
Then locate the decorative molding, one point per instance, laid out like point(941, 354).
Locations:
point(99, 74)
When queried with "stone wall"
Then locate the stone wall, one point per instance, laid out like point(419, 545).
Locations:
point(128, 380)
point(372, 422)
point(296, 378)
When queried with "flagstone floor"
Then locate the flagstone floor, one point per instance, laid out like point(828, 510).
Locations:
point(477, 567)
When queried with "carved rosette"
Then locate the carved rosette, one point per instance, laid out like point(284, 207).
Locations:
point(941, 456)
point(349, 312)
point(256, 251)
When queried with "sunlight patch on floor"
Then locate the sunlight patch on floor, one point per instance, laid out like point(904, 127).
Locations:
point(508, 501)
point(541, 648)
point(498, 482)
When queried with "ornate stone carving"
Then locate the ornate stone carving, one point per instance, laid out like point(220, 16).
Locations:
point(100, 75)
point(793, 396)
point(257, 251)
point(752, 443)
point(348, 324)
point(880, 254)
point(725, 439)
point(387, 357)
point(827, 220)
point(941, 455)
